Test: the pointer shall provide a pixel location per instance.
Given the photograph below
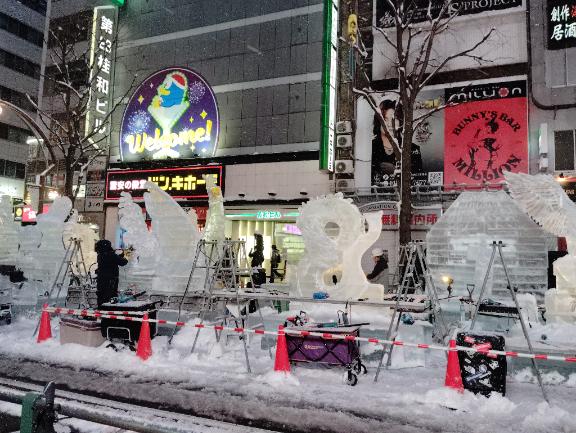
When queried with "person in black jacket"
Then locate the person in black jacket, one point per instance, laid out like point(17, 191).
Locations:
point(379, 274)
point(107, 272)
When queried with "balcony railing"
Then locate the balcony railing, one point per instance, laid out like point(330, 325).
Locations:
point(421, 194)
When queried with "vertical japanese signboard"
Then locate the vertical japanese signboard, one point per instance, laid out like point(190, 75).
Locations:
point(329, 83)
point(102, 58)
point(561, 22)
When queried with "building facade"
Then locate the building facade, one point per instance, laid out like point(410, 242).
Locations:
point(263, 63)
point(22, 28)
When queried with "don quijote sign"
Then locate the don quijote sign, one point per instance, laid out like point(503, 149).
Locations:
point(486, 133)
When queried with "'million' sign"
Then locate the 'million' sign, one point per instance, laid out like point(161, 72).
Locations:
point(172, 114)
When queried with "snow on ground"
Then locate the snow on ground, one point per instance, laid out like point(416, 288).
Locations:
point(412, 397)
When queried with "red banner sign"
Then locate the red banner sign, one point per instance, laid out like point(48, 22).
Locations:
point(484, 138)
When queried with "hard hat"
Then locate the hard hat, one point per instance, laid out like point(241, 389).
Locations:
point(377, 252)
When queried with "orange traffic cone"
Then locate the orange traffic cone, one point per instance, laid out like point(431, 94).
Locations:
point(281, 363)
point(44, 333)
point(453, 375)
point(144, 349)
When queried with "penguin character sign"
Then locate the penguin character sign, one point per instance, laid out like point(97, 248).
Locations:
point(172, 114)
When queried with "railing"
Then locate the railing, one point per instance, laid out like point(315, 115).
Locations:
point(421, 194)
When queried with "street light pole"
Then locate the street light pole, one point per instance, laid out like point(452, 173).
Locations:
point(40, 136)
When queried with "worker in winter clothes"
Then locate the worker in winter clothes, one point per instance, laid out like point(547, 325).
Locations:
point(107, 272)
point(379, 274)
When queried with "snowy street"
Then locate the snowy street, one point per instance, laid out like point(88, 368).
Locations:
point(213, 384)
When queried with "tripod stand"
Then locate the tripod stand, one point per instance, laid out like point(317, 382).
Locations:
point(497, 248)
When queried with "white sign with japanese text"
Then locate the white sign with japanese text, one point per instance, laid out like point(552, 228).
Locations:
point(102, 59)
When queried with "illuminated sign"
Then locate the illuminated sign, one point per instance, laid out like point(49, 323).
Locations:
point(172, 114)
point(268, 215)
point(184, 183)
point(329, 83)
point(29, 215)
point(102, 57)
point(561, 24)
point(264, 214)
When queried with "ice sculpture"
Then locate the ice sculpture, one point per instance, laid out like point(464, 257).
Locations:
point(459, 245)
point(87, 237)
point(177, 236)
point(29, 240)
point(543, 198)
point(215, 220)
point(141, 268)
point(335, 236)
point(49, 255)
point(8, 233)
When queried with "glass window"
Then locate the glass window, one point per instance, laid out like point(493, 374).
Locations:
point(20, 171)
point(564, 150)
point(10, 169)
point(20, 29)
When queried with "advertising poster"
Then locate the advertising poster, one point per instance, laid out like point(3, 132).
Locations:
point(486, 133)
point(172, 114)
point(427, 144)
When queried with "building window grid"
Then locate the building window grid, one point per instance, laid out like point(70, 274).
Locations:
point(36, 5)
point(19, 64)
point(23, 31)
point(13, 133)
point(11, 169)
point(565, 150)
point(16, 98)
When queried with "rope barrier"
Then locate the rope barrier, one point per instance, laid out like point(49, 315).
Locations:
point(125, 315)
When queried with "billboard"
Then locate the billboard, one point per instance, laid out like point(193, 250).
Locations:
point(385, 18)
point(180, 183)
point(486, 133)
point(483, 134)
point(561, 24)
point(427, 144)
point(172, 114)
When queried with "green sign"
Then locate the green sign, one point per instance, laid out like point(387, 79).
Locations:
point(329, 83)
point(118, 2)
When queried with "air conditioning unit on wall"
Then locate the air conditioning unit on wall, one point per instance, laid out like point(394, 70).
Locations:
point(345, 184)
point(343, 127)
point(344, 141)
point(344, 166)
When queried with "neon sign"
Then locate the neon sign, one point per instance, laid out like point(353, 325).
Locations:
point(183, 183)
point(172, 114)
point(329, 84)
point(102, 60)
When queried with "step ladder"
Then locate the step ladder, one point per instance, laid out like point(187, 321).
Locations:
point(72, 270)
point(225, 263)
point(413, 256)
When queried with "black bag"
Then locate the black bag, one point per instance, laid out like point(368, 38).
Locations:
point(482, 374)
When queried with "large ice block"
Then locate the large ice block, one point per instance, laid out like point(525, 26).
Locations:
point(8, 233)
point(459, 245)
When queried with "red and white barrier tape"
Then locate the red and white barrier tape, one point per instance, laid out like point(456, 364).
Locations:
point(124, 315)
point(91, 313)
